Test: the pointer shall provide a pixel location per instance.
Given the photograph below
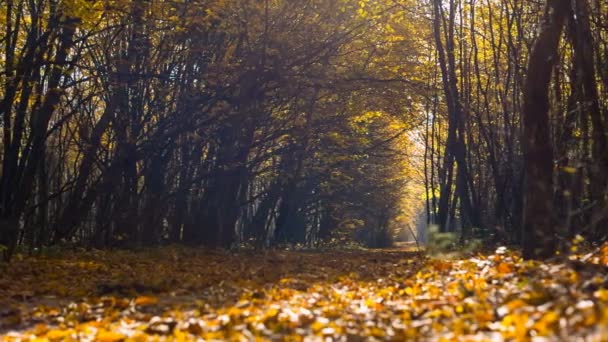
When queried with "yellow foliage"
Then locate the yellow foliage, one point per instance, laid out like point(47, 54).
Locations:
point(392, 294)
point(88, 11)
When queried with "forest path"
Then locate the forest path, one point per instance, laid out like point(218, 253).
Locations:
point(392, 294)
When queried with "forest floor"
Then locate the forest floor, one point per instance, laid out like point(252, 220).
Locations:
point(185, 294)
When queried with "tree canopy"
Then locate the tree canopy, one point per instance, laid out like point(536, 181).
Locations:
point(209, 139)
point(226, 123)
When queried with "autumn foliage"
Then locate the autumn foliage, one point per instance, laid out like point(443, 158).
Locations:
point(221, 169)
point(185, 294)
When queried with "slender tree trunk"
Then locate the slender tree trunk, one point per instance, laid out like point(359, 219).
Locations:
point(539, 240)
point(584, 49)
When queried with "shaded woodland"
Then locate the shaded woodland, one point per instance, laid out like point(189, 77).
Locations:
point(133, 123)
point(249, 170)
point(234, 122)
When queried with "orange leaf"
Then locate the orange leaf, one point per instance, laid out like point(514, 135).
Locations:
point(146, 300)
point(504, 267)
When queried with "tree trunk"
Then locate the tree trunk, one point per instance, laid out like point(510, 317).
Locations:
point(539, 239)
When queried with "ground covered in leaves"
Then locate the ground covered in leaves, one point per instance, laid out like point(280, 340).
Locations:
point(186, 294)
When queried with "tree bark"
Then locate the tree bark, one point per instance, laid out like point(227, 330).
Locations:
point(539, 241)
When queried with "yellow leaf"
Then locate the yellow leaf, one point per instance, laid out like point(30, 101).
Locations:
point(110, 336)
point(601, 295)
point(547, 324)
point(57, 334)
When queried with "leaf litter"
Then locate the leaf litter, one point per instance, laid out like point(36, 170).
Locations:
point(188, 295)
